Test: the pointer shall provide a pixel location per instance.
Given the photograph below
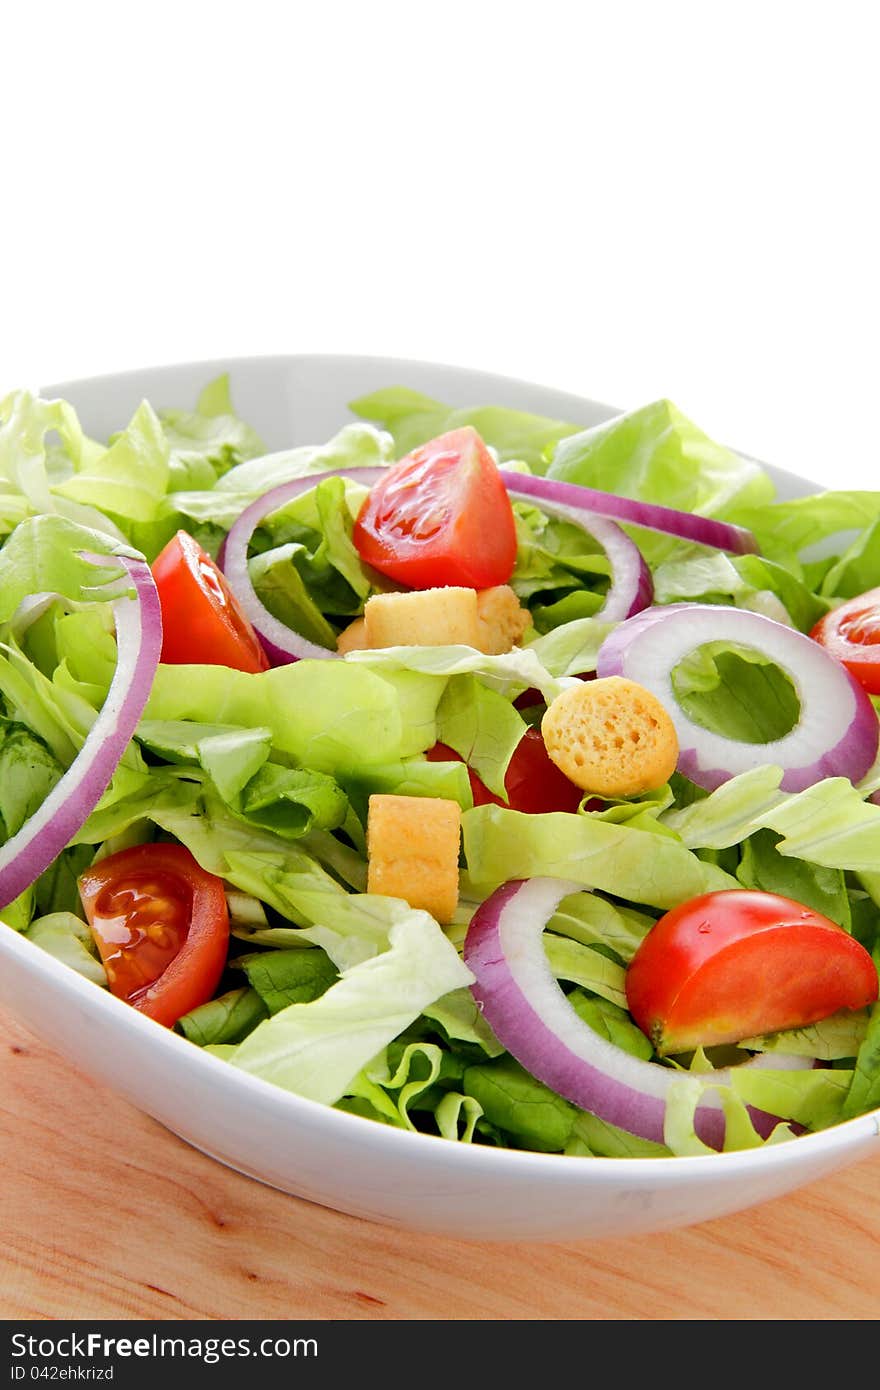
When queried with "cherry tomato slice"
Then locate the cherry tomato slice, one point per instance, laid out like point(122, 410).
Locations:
point(441, 516)
point(739, 963)
point(202, 621)
point(161, 925)
point(533, 783)
point(852, 634)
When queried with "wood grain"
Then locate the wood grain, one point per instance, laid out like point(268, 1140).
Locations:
point(104, 1214)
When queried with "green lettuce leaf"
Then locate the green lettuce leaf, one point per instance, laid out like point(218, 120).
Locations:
point(28, 772)
point(45, 556)
point(592, 1137)
point(212, 434)
point(66, 937)
point(317, 1048)
point(130, 479)
point(634, 864)
point(736, 692)
point(355, 446)
point(288, 976)
point(698, 575)
point(412, 419)
point(812, 1098)
point(510, 673)
point(572, 648)
point(838, 1037)
point(657, 455)
point(828, 824)
point(481, 726)
point(326, 715)
point(787, 530)
point(513, 1101)
point(29, 467)
point(612, 1022)
point(762, 867)
point(225, 1020)
point(864, 1091)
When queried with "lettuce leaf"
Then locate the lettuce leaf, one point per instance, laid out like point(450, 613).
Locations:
point(637, 865)
point(521, 1106)
point(224, 1020)
point(828, 824)
point(413, 418)
point(288, 977)
point(317, 1048)
point(66, 937)
point(355, 446)
point(326, 715)
point(656, 454)
point(212, 434)
point(28, 772)
point(864, 1091)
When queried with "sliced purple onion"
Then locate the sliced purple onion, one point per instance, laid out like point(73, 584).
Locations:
point(703, 530)
point(631, 588)
point(836, 734)
point(280, 643)
point(629, 591)
point(73, 798)
point(531, 1017)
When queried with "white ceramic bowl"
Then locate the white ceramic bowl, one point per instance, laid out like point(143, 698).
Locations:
point(339, 1160)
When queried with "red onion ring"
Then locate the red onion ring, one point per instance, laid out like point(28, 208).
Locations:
point(531, 1017)
point(280, 643)
point(73, 798)
point(629, 591)
point(836, 735)
point(702, 530)
point(631, 588)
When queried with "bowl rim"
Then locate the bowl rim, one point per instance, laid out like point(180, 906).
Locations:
point(221, 364)
point(476, 1159)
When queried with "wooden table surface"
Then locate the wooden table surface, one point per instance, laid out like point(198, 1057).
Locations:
point(105, 1214)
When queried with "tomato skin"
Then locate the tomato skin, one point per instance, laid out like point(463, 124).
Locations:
point(161, 925)
point(533, 783)
point(739, 963)
point(202, 621)
point(440, 516)
point(852, 634)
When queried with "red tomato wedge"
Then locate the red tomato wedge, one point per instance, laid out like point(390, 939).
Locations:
point(439, 517)
point(202, 621)
point(161, 926)
point(852, 634)
point(533, 783)
point(740, 963)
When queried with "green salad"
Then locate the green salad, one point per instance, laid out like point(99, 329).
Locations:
point(636, 551)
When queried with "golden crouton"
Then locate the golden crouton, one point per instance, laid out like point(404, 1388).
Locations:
point(503, 620)
point(352, 638)
point(422, 618)
point(611, 736)
point(413, 850)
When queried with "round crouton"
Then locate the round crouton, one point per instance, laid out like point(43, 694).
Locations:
point(611, 736)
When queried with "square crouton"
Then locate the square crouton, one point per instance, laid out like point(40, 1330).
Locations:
point(422, 618)
point(412, 851)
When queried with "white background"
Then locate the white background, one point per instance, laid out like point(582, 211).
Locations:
point(623, 200)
